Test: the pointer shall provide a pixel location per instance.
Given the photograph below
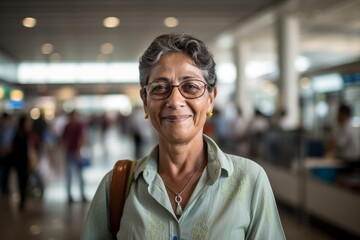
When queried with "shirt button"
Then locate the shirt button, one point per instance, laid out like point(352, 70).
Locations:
point(175, 238)
point(146, 173)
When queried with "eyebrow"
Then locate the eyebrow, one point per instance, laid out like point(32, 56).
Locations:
point(162, 79)
point(183, 78)
point(190, 77)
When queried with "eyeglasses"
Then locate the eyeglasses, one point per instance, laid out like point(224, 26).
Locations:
point(189, 89)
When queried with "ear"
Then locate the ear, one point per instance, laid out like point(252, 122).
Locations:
point(212, 97)
point(143, 98)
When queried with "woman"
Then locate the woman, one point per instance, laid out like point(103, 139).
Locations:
point(186, 188)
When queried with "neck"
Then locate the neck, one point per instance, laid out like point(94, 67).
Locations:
point(176, 175)
point(179, 159)
point(189, 180)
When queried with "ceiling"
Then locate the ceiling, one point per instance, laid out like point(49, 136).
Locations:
point(76, 31)
point(330, 29)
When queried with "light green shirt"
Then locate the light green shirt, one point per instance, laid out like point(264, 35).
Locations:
point(232, 200)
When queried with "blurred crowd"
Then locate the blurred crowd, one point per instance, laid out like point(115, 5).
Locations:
point(28, 146)
point(264, 137)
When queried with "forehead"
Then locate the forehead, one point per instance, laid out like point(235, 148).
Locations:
point(175, 63)
point(175, 56)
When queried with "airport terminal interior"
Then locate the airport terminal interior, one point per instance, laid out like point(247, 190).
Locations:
point(288, 77)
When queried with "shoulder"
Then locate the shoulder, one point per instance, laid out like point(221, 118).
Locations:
point(244, 166)
point(105, 181)
point(228, 164)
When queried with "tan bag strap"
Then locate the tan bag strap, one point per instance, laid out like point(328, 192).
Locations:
point(119, 189)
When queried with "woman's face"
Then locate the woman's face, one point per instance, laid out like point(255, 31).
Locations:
point(176, 118)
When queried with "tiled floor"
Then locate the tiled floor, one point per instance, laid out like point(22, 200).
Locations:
point(52, 218)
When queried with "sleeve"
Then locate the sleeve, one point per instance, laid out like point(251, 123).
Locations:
point(96, 225)
point(265, 221)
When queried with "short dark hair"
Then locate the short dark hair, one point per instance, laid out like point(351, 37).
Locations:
point(345, 110)
point(178, 43)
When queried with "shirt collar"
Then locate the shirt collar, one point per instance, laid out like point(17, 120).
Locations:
point(217, 162)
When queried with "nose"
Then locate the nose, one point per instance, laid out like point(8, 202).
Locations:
point(175, 99)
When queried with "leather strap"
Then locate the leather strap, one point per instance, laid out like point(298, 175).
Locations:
point(119, 189)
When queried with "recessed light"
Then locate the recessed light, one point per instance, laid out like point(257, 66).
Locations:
point(111, 22)
point(29, 22)
point(35, 229)
point(102, 57)
point(107, 48)
point(55, 57)
point(47, 48)
point(171, 22)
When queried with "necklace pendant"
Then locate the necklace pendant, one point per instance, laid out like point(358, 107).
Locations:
point(179, 210)
point(178, 200)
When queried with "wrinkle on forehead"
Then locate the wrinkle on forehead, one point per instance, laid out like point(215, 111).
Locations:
point(168, 69)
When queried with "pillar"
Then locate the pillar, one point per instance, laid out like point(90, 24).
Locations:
point(288, 37)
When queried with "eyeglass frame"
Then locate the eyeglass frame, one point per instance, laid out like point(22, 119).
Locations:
point(206, 86)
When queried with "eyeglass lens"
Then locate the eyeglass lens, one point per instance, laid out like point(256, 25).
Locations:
point(188, 89)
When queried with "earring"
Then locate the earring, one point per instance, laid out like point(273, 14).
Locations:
point(146, 116)
point(209, 114)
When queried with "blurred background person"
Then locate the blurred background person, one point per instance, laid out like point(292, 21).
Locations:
point(20, 156)
point(220, 128)
point(239, 134)
point(6, 137)
point(104, 124)
point(346, 138)
point(38, 134)
point(275, 140)
point(257, 127)
point(72, 141)
point(141, 132)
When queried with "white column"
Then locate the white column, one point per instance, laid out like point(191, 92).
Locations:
point(242, 95)
point(288, 37)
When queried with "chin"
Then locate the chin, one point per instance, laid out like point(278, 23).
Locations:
point(181, 137)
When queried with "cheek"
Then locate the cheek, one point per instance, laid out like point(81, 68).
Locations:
point(200, 109)
point(153, 108)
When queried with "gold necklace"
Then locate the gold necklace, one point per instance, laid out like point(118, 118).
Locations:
point(178, 198)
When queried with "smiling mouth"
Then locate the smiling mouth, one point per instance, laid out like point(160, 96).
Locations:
point(177, 118)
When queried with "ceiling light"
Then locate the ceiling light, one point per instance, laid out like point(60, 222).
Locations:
point(47, 48)
point(111, 22)
point(35, 229)
point(107, 48)
point(29, 22)
point(102, 57)
point(171, 22)
point(55, 57)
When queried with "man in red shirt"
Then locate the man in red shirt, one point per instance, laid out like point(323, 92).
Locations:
point(72, 140)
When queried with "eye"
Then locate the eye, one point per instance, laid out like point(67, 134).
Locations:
point(190, 87)
point(158, 88)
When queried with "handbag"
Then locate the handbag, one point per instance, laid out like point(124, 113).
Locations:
point(122, 174)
